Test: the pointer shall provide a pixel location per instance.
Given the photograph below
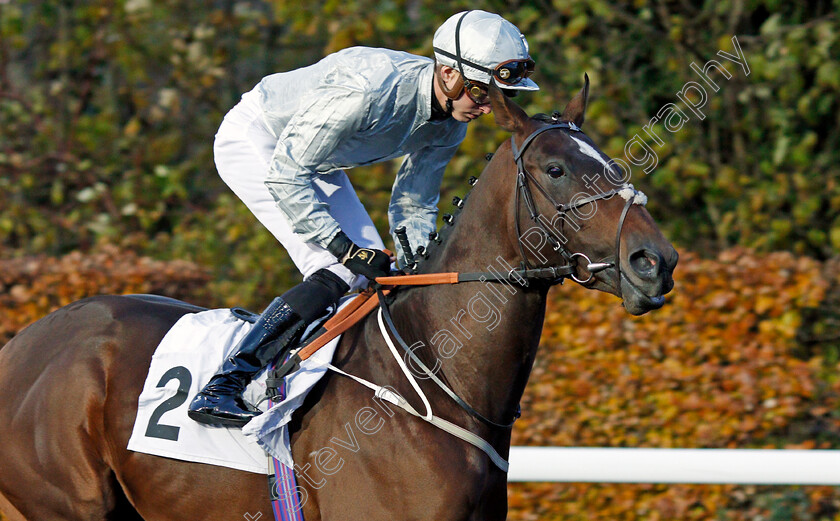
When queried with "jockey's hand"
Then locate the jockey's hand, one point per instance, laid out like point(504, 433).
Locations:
point(368, 262)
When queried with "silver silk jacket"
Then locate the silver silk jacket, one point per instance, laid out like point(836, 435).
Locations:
point(356, 107)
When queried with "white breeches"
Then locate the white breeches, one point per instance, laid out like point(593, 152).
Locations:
point(243, 149)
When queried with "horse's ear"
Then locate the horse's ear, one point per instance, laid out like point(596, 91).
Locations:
point(576, 108)
point(508, 114)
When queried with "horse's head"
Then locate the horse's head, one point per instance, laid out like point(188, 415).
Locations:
point(576, 207)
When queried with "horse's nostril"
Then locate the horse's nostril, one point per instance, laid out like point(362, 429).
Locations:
point(645, 263)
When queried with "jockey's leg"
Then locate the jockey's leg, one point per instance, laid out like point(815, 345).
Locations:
point(243, 152)
point(277, 330)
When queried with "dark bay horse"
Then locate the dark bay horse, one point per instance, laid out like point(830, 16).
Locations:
point(70, 381)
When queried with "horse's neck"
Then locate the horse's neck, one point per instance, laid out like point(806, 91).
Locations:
point(484, 339)
point(484, 334)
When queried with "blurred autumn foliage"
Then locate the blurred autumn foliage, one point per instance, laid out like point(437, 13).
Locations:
point(745, 354)
point(31, 287)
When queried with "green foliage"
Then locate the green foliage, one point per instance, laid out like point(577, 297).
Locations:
point(108, 111)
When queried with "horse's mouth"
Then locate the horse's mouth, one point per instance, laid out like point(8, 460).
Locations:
point(636, 301)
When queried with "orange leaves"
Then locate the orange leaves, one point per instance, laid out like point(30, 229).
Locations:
point(714, 368)
point(31, 287)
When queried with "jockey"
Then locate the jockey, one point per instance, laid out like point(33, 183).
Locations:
point(284, 147)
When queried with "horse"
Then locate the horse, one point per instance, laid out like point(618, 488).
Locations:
point(71, 380)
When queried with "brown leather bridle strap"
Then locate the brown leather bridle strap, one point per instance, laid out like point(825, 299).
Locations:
point(621, 220)
point(521, 276)
point(363, 304)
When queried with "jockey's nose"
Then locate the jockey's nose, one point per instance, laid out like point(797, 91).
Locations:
point(485, 109)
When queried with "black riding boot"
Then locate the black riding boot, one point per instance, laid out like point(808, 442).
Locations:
point(277, 330)
point(220, 402)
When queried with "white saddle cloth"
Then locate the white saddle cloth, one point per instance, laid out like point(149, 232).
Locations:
point(187, 357)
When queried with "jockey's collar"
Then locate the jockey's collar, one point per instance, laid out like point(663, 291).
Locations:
point(438, 113)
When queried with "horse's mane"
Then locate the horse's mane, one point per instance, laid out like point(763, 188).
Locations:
point(446, 230)
point(443, 232)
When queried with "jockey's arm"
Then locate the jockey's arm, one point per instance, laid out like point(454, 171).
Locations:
point(416, 193)
point(331, 114)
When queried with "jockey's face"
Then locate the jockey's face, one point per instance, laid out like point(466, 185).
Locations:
point(464, 107)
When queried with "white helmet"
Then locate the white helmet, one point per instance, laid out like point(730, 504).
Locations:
point(484, 46)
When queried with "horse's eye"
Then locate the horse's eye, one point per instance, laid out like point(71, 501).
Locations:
point(554, 171)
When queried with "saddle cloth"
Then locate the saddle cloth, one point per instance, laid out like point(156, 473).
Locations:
point(184, 361)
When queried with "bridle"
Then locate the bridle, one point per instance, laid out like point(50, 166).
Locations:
point(523, 192)
point(526, 272)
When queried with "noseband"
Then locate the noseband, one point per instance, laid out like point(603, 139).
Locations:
point(523, 192)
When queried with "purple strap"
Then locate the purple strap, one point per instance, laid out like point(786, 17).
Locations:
point(287, 506)
point(285, 502)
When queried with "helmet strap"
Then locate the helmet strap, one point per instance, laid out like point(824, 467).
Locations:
point(454, 92)
point(458, 89)
point(458, 43)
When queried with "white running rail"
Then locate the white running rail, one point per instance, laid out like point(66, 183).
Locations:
point(696, 466)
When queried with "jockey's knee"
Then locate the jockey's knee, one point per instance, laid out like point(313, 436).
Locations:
point(313, 296)
point(353, 281)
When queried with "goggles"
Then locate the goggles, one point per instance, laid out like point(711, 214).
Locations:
point(509, 73)
point(512, 72)
point(477, 93)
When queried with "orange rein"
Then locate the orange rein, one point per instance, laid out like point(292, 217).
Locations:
point(363, 304)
